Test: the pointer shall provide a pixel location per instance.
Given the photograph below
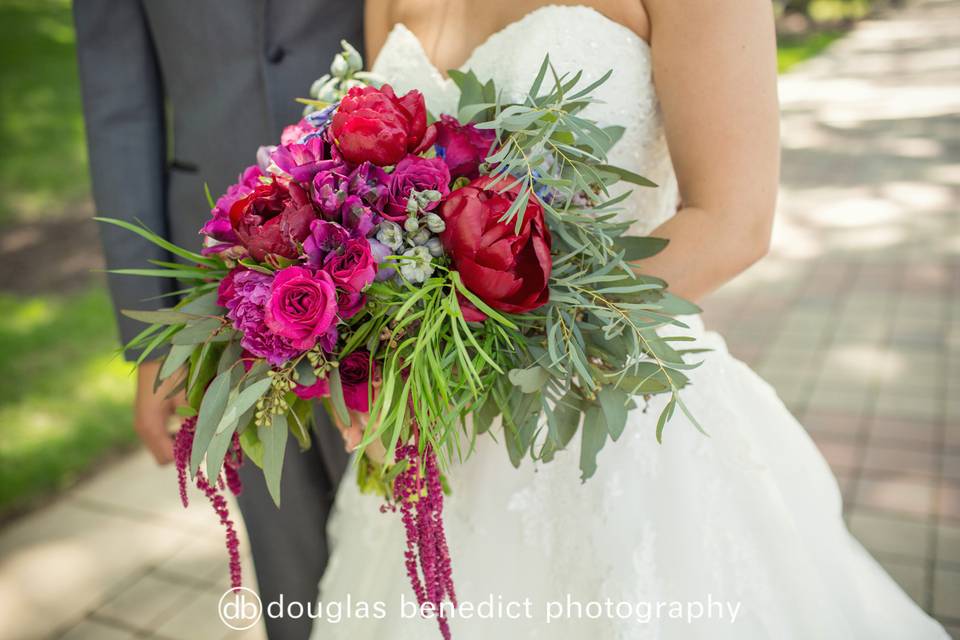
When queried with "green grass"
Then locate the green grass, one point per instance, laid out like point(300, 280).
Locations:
point(43, 168)
point(794, 50)
point(65, 397)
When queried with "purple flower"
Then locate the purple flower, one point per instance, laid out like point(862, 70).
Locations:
point(462, 146)
point(302, 306)
point(303, 160)
point(325, 236)
point(380, 251)
point(370, 183)
point(414, 173)
point(357, 216)
point(247, 310)
point(353, 198)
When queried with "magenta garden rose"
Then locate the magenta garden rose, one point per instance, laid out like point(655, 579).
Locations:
point(302, 305)
point(352, 267)
point(414, 173)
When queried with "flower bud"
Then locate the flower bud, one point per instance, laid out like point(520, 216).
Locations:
point(435, 247)
point(413, 204)
point(435, 223)
point(340, 68)
point(411, 224)
point(318, 84)
point(390, 234)
point(421, 237)
point(352, 56)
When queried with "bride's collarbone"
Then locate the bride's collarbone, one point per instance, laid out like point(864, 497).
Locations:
point(451, 30)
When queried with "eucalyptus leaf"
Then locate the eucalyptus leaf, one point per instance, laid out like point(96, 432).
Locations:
point(529, 380)
point(211, 410)
point(252, 447)
point(484, 416)
point(274, 439)
point(613, 403)
point(305, 373)
point(197, 332)
point(639, 247)
point(592, 438)
point(175, 359)
point(336, 396)
point(244, 400)
point(218, 449)
point(205, 305)
point(160, 316)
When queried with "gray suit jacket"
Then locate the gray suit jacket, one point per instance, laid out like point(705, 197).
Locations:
point(178, 93)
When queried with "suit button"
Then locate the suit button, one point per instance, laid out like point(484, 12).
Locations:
point(276, 55)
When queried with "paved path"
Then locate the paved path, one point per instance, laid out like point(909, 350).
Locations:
point(853, 318)
point(855, 315)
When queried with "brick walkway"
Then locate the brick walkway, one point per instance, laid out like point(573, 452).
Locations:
point(854, 315)
point(852, 318)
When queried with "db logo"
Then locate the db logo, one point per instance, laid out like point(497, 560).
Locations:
point(240, 608)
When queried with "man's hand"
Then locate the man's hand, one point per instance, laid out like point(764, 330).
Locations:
point(153, 411)
point(353, 433)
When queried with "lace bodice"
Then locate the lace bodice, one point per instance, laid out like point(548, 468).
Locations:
point(577, 38)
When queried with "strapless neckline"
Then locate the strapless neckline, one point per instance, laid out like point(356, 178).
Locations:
point(577, 38)
point(400, 30)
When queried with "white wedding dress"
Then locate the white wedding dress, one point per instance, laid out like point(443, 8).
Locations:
point(750, 515)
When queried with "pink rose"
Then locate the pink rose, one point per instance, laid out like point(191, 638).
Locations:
point(302, 305)
point(352, 266)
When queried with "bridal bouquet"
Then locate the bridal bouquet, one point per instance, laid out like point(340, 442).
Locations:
point(452, 276)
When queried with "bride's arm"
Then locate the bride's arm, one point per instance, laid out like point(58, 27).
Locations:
point(716, 77)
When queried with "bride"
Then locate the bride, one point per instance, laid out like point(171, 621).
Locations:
point(738, 535)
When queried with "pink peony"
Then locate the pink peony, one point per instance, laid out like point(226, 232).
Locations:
point(246, 310)
point(302, 305)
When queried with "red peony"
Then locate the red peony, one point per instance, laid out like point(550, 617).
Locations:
point(507, 270)
point(374, 125)
point(272, 220)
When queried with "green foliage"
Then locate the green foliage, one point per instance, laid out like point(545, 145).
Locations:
point(65, 397)
point(43, 170)
point(793, 50)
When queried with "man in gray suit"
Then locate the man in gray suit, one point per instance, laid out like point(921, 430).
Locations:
point(178, 93)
